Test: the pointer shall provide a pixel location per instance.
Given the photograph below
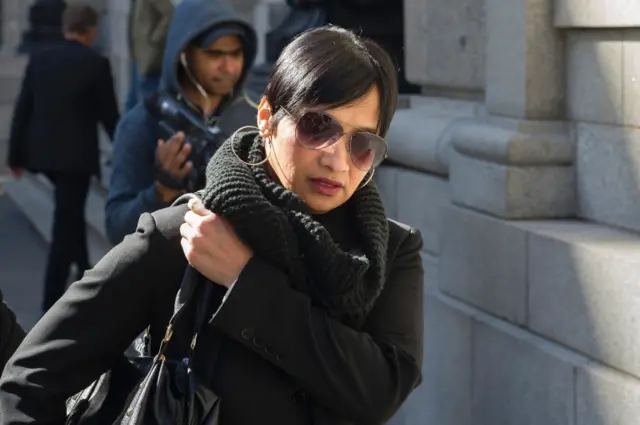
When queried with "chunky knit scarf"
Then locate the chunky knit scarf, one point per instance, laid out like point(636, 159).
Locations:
point(280, 228)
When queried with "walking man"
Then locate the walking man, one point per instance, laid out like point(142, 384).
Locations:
point(67, 90)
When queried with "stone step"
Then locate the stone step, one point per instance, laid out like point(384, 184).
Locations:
point(571, 281)
point(34, 195)
point(483, 370)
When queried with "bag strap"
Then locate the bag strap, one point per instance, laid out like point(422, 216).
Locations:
point(201, 313)
point(189, 288)
point(185, 295)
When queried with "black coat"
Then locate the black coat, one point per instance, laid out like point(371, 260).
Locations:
point(66, 92)
point(267, 353)
point(11, 334)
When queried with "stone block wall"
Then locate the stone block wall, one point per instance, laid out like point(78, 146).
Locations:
point(529, 196)
point(446, 41)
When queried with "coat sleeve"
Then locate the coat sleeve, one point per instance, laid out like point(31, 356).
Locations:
point(132, 190)
point(85, 331)
point(20, 122)
point(363, 376)
point(106, 99)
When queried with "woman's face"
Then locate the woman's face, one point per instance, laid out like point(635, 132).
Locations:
point(324, 178)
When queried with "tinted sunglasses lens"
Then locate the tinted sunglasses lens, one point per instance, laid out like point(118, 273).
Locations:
point(314, 130)
point(367, 150)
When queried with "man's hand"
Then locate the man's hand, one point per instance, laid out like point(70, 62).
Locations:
point(172, 157)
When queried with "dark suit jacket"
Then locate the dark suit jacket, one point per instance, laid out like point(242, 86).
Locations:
point(66, 91)
point(268, 354)
point(11, 334)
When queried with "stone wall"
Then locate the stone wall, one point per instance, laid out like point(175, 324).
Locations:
point(447, 42)
point(527, 198)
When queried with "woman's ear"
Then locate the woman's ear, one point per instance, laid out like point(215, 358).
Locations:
point(264, 117)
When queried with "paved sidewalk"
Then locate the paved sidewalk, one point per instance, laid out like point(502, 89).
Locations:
point(23, 256)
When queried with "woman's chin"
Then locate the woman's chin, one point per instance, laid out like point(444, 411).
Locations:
point(321, 204)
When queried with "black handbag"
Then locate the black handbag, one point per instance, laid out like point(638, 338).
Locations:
point(153, 390)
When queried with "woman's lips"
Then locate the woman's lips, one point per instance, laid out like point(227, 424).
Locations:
point(326, 187)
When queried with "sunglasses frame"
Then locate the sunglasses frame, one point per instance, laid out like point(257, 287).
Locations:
point(326, 145)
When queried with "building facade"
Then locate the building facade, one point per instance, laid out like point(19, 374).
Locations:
point(520, 164)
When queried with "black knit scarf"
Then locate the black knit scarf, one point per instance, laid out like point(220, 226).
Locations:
point(280, 228)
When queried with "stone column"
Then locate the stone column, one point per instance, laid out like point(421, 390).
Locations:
point(445, 45)
point(517, 162)
point(524, 76)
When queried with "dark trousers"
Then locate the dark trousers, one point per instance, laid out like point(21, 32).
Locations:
point(69, 234)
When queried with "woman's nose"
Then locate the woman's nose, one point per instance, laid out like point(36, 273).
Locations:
point(336, 156)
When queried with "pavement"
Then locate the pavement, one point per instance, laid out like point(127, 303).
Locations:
point(23, 256)
point(26, 218)
point(33, 194)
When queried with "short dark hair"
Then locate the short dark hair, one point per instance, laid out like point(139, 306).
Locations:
point(331, 67)
point(79, 18)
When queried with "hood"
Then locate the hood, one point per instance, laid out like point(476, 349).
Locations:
point(190, 19)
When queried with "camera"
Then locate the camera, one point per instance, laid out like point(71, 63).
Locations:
point(204, 137)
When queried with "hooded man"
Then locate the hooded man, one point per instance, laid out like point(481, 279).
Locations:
point(209, 51)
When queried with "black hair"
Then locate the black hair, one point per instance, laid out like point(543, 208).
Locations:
point(79, 18)
point(331, 67)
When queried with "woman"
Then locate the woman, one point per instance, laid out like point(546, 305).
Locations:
point(317, 316)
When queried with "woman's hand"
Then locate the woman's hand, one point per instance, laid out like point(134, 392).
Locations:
point(212, 246)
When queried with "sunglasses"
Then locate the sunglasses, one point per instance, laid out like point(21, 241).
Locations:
point(317, 130)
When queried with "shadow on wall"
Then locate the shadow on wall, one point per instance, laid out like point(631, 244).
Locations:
point(596, 296)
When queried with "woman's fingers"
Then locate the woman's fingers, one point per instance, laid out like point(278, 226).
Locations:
point(193, 219)
point(197, 207)
point(187, 232)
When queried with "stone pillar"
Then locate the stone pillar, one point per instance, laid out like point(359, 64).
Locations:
point(445, 45)
point(517, 162)
point(524, 60)
point(603, 99)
